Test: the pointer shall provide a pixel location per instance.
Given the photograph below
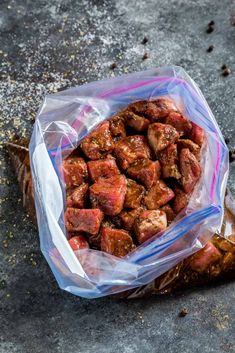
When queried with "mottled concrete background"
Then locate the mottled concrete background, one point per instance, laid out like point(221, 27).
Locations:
point(46, 46)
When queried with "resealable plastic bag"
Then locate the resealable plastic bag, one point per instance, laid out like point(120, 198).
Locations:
point(63, 121)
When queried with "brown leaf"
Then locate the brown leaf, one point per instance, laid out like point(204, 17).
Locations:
point(19, 154)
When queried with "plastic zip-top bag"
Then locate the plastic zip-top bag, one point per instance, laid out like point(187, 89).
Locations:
point(63, 121)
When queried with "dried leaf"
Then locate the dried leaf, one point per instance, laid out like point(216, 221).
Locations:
point(19, 154)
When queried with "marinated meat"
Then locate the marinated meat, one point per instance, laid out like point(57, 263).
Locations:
point(78, 242)
point(103, 168)
point(179, 122)
point(170, 214)
point(117, 127)
point(83, 220)
point(149, 223)
point(205, 257)
point(158, 195)
point(197, 134)
point(169, 159)
point(161, 135)
point(131, 149)
point(98, 143)
point(180, 201)
point(190, 170)
point(137, 122)
point(164, 105)
point(134, 194)
point(158, 172)
point(109, 194)
point(155, 109)
point(77, 196)
point(74, 171)
point(127, 218)
point(193, 147)
point(117, 242)
point(145, 171)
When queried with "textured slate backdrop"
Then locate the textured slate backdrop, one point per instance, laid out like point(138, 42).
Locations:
point(46, 46)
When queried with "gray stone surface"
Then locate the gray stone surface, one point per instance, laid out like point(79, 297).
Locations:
point(46, 46)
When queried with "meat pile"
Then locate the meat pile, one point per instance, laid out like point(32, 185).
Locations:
point(130, 177)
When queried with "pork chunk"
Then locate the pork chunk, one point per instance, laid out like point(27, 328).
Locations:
point(158, 195)
point(117, 127)
point(148, 224)
point(205, 257)
point(155, 109)
point(170, 214)
point(179, 122)
point(169, 159)
point(117, 242)
point(127, 218)
point(197, 134)
point(134, 194)
point(103, 168)
point(161, 135)
point(85, 220)
point(98, 143)
point(74, 171)
point(131, 149)
point(145, 171)
point(180, 201)
point(193, 147)
point(190, 170)
point(137, 122)
point(76, 197)
point(109, 194)
point(78, 242)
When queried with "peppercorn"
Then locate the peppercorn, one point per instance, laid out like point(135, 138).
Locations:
point(113, 66)
point(226, 72)
point(145, 56)
point(210, 48)
point(145, 40)
point(183, 312)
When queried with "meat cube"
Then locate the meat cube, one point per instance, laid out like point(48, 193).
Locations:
point(154, 109)
point(193, 147)
point(161, 135)
point(190, 170)
point(169, 158)
point(179, 122)
point(148, 224)
point(74, 171)
point(130, 149)
point(158, 195)
point(127, 218)
point(117, 127)
point(197, 134)
point(134, 194)
point(109, 194)
point(170, 214)
point(95, 241)
point(117, 242)
point(83, 220)
point(76, 197)
point(78, 242)
point(137, 122)
point(145, 171)
point(204, 258)
point(103, 168)
point(180, 201)
point(98, 143)
point(164, 105)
